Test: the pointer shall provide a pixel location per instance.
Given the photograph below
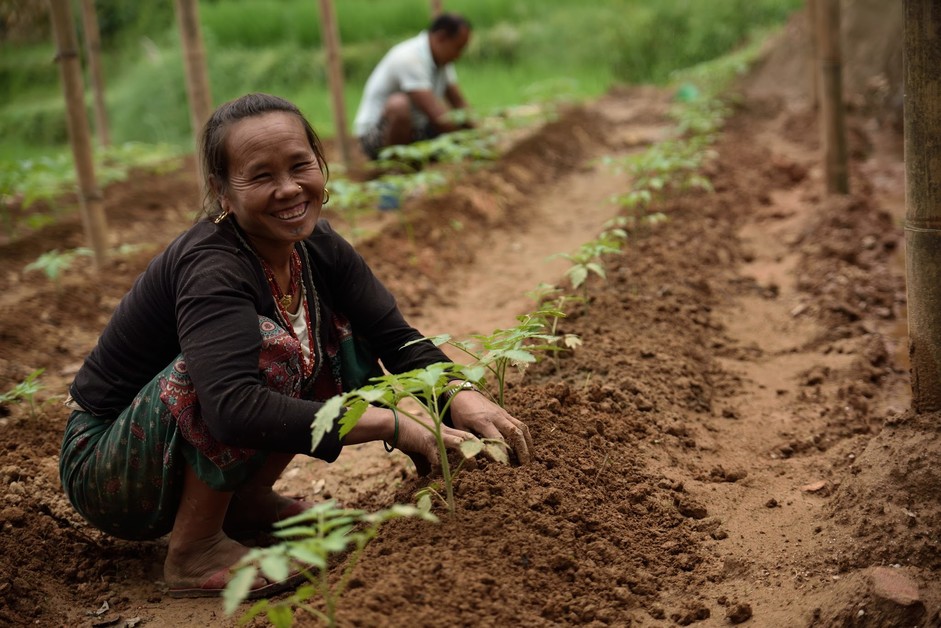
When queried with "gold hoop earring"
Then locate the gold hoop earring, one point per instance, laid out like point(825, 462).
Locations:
point(326, 196)
point(218, 219)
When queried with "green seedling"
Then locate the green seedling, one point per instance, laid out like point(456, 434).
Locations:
point(620, 227)
point(552, 302)
point(53, 263)
point(428, 388)
point(25, 391)
point(673, 166)
point(514, 347)
point(25, 182)
point(459, 146)
point(308, 543)
point(588, 259)
point(354, 199)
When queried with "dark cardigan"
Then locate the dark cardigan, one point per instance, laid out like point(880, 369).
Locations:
point(201, 297)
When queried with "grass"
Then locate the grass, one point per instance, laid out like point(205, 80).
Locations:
point(522, 51)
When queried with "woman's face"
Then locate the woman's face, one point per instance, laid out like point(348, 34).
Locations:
point(275, 187)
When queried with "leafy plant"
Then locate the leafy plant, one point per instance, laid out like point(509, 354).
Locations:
point(458, 146)
point(552, 301)
point(587, 259)
point(515, 346)
point(428, 388)
point(702, 105)
point(309, 541)
point(27, 181)
point(53, 263)
point(25, 391)
point(621, 226)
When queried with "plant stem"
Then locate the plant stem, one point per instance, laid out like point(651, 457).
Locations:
point(445, 470)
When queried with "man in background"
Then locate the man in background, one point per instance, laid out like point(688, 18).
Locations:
point(411, 92)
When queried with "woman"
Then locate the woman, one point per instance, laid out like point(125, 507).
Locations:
point(205, 382)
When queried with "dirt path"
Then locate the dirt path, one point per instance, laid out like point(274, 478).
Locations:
point(557, 218)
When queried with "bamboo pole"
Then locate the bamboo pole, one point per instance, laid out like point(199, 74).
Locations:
point(194, 54)
point(93, 50)
point(922, 132)
point(331, 41)
point(831, 96)
point(70, 75)
point(436, 8)
point(812, 37)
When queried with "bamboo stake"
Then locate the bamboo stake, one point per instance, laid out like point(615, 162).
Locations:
point(331, 40)
point(93, 50)
point(70, 75)
point(831, 109)
point(436, 8)
point(197, 77)
point(922, 132)
point(812, 36)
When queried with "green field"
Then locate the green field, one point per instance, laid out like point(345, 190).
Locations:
point(522, 51)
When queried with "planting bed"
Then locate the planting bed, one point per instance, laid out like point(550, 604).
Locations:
point(730, 444)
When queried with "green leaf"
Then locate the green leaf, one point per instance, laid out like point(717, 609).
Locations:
point(323, 420)
point(435, 340)
point(470, 448)
point(424, 502)
point(310, 554)
point(372, 394)
point(496, 449)
point(281, 615)
point(578, 275)
point(572, 341)
point(236, 590)
point(337, 540)
point(275, 567)
point(518, 355)
point(474, 373)
point(305, 592)
point(598, 269)
point(352, 415)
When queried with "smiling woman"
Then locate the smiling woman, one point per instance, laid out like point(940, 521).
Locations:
point(275, 186)
point(204, 384)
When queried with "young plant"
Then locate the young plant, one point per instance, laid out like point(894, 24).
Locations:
point(24, 182)
point(622, 226)
point(53, 263)
point(467, 145)
point(516, 346)
point(309, 541)
point(428, 388)
point(551, 306)
point(25, 391)
point(587, 259)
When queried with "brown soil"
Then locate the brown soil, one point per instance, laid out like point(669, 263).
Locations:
point(732, 442)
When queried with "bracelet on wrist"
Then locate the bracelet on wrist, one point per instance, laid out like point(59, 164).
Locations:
point(449, 393)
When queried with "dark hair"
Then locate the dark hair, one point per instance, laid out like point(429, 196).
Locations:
point(450, 23)
point(212, 153)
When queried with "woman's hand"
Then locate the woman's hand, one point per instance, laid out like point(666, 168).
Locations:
point(419, 442)
point(473, 412)
point(412, 438)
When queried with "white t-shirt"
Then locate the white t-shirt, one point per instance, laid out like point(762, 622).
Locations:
point(408, 66)
point(299, 323)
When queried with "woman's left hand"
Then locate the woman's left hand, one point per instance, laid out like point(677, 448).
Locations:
point(471, 411)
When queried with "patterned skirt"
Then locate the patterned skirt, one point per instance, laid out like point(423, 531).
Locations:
point(125, 475)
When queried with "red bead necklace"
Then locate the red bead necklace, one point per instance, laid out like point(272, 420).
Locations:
point(283, 302)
